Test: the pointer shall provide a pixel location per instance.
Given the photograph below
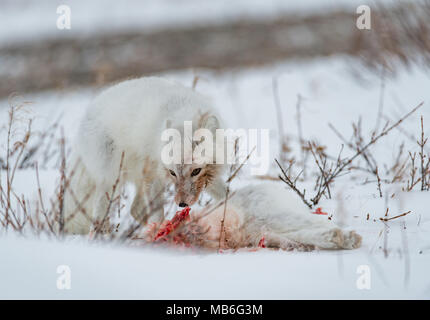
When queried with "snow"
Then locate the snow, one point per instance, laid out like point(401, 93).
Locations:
point(330, 94)
point(22, 20)
point(121, 273)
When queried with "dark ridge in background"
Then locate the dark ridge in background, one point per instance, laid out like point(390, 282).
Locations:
point(400, 33)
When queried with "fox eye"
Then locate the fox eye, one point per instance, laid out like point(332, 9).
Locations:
point(172, 173)
point(195, 172)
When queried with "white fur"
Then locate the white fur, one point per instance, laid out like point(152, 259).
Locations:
point(127, 118)
point(271, 211)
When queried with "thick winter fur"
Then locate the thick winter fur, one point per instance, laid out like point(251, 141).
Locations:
point(122, 129)
point(271, 212)
point(129, 119)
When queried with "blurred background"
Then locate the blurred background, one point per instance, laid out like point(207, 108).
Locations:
point(112, 40)
point(301, 69)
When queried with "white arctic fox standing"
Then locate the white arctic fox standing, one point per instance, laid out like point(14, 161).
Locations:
point(128, 119)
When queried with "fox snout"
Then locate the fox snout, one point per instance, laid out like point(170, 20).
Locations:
point(183, 199)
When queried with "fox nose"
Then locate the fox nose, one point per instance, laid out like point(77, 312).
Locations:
point(183, 205)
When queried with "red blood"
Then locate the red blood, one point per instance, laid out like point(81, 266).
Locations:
point(261, 243)
point(171, 225)
point(319, 211)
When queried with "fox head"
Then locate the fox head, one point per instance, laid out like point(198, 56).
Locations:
point(190, 180)
point(195, 171)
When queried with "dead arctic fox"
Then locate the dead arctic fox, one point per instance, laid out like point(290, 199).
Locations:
point(268, 212)
point(123, 128)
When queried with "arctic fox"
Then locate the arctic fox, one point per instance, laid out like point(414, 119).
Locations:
point(265, 214)
point(119, 141)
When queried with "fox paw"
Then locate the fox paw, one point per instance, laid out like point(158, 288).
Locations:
point(100, 227)
point(352, 240)
point(342, 239)
point(336, 237)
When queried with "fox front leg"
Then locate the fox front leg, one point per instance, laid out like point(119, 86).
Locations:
point(148, 205)
point(327, 238)
point(138, 209)
point(144, 212)
point(100, 215)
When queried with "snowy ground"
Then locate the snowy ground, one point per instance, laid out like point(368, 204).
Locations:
point(330, 95)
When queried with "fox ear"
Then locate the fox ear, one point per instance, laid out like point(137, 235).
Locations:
point(211, 123)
